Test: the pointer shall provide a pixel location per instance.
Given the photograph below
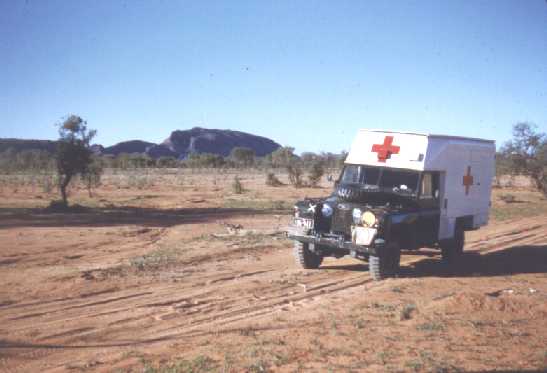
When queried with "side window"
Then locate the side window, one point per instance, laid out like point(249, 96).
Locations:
point(426, 189)
point(429, 187)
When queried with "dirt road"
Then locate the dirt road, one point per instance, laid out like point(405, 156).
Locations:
point(120, 296)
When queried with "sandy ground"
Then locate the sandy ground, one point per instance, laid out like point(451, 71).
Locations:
point(152, 279)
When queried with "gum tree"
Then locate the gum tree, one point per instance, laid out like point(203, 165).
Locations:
point(73, 155)
point(526, 154)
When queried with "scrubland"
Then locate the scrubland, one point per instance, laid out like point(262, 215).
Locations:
point(176, 271)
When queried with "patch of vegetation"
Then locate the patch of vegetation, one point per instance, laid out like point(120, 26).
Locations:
point(383, 356)
point(153, 260)
point(407, 310)
point(509, 211)
point(382, 307)
point(508, 198)
point(272, 180)
point(258, 366)
point(316, 173)
point(430, 327)
point(237, 187)
point(359, 323)
point(257, 204)
point(200, 364)
point(295, 174)
point(414, 365)
point(526, 154)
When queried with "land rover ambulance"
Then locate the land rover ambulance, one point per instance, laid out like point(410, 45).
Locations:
point(398, 191)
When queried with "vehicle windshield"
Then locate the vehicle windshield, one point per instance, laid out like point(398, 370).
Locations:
point(397, 180)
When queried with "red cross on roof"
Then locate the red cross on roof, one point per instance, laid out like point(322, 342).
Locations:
point(386, 149)
point(467, 180)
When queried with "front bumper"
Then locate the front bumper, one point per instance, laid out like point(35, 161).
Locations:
point(303, 235)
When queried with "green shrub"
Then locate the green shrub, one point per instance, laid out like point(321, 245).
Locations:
point(272, 180)
point(237, 187)
point(316, 173)
point(295, 175)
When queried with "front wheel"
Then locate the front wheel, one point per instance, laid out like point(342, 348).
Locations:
point(305, 257)
point(386, 263)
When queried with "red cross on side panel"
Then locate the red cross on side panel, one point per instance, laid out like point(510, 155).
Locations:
point(386, 149)
point(467, 180)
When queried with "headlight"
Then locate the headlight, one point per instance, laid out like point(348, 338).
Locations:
point(296, 212)
point(369, 219)
point(357, 213)
point(326, 210)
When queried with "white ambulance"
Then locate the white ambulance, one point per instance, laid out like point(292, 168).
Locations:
point(398, 191)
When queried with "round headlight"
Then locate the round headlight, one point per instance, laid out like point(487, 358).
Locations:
point(369, 219)
point(357, 216)
point(326, 210)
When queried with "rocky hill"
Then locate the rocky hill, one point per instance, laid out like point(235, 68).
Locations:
point(202, 140)
point(179, 144)
point(132, 146)
point(18, 145)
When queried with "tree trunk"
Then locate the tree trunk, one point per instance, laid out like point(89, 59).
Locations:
point(539, 179)
point(62, 186)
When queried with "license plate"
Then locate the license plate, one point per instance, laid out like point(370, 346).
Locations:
point(303, 223)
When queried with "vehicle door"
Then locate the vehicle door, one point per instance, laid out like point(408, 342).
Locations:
point(428, 200)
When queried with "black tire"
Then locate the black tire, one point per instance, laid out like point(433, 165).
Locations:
point(452, 251)
point(386, 264)
point(306, 258)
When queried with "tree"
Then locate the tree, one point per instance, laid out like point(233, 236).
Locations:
point(316, 173)
point(166, 162)
point(243, 156)
point(73, 154)
point(526, 154)
point(283, 157)
point(294, 169)
point(308, 158)
point(92, 178)
point(207, 160)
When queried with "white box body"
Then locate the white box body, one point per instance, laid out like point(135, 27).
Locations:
point(466, 167)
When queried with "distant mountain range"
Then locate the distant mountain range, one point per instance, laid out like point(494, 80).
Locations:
point(179, 144)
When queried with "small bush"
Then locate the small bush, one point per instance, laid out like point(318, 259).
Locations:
point(316, 173)
point(508, 198)
point(237, 187)
point(49, 183)
point(406, 312)
point(272, 180)
point(295, 175)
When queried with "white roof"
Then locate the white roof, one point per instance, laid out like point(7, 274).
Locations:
point(414, 151)
point(429, 135)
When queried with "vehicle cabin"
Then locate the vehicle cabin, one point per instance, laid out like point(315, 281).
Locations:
point(398, 190)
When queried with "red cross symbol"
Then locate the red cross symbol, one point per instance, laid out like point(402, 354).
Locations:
point(386, 149)
point(467, 180)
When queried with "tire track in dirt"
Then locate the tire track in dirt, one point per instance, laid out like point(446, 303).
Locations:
point(275, 301)
point(158, 317)
point(332, 282)
point(354, 281)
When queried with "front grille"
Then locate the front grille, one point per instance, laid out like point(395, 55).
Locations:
point(341, 221)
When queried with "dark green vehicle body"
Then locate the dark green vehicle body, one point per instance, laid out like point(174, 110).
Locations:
point(404, 203)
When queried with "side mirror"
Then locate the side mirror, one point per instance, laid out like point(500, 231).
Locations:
point(336, 183)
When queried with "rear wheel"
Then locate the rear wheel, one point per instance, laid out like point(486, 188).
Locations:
point(305, 257)
point(386, 263)
point(452, 251)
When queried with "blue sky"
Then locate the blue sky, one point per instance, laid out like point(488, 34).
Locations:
point(307, 74)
